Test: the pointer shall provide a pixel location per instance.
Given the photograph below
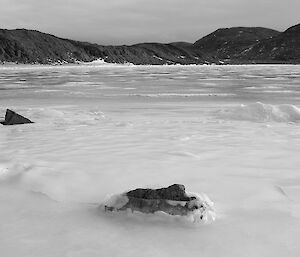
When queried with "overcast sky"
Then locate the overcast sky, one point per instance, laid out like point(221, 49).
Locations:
point(133, 21)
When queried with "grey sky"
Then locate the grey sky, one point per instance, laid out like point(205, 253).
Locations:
point(133, 21)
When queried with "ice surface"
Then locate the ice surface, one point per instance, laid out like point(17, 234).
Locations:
point(92, 137)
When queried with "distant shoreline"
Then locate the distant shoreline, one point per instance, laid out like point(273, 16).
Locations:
point(116, 65)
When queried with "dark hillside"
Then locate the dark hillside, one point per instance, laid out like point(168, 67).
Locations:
point(284, 48)
point(29, 46)
point(229, 43)
point(233, 45)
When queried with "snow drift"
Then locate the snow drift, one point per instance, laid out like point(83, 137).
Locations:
point(260, 112)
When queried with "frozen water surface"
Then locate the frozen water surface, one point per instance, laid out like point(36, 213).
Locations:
point(232, 132)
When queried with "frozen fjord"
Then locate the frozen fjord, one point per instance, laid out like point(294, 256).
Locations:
point(229, 131)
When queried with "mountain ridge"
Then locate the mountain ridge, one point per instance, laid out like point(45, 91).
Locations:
point(235, 45)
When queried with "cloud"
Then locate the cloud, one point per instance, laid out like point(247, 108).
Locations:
point(131, 21)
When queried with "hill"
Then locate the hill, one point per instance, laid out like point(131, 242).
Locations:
point(284, 48)
point(29, 46)
point(230, 45)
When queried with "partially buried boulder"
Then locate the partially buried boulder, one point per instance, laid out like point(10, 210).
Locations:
point(172, 200)
point(13, 118)
point(174, 192)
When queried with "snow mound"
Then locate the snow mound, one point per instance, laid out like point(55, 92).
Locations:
point(260, 112)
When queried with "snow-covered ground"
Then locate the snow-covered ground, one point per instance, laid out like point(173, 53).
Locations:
point(232, 132)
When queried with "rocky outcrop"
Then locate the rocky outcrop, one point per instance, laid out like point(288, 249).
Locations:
point(13, 118)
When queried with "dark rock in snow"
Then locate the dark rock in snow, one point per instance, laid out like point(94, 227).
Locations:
point(172, 200)
point(175, 192)
point(13, 118)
